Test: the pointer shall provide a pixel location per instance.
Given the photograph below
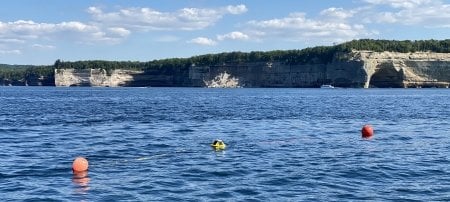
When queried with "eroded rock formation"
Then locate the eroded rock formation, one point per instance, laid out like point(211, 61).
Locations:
point(94, 77)
point(422, 69)
point(356, 69)
point(223, 80)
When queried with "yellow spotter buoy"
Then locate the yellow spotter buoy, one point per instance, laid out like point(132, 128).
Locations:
point(218, 145)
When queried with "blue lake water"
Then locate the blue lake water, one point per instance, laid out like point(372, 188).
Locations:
point(153, 144)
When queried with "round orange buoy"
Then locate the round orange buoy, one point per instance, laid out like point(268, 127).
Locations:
point(367, 131)
point(80, 164)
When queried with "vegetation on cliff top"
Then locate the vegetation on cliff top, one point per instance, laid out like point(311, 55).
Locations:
point(315, 55)
point(437, 46)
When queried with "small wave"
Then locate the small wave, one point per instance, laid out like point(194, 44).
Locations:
point(35, 199)
point(17, 130)
point(183, 131)
point(38, 172)
point(246, 191)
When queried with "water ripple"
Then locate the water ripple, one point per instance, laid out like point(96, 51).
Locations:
point(152, 144)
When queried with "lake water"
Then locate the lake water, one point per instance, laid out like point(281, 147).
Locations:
point(153, 144)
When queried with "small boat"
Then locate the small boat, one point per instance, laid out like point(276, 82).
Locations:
point(326, 86)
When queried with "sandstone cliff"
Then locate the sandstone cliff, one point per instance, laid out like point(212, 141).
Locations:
point(355, 69)
point(95, 77)
point(421, 69)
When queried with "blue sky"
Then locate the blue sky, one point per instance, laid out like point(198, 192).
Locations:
point(41, 31)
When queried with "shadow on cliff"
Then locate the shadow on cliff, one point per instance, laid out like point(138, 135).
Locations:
point(387, 77)
point(160, 77)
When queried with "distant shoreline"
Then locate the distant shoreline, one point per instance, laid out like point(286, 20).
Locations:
point(356, 64)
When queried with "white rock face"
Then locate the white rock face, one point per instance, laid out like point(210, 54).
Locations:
point(69, 77)
point(93, 77)
point(223, 80)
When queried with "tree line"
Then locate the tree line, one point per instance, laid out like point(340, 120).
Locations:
point(406, 46)
point(313, 55)
point(22, 73)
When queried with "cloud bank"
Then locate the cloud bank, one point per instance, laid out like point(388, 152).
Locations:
point(146, 19)
point(426, 13)
point(334, 24)
point(113, 27)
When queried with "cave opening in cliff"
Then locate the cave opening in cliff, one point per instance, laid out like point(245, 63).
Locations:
point(387, 77)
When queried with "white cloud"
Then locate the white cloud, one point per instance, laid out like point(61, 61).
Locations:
point(112, 27)
point(119, 31)
point(339, 24)
point(94, 10)
point(22, 30)
point(30, 29)
point(10, 40)
point(401, 3)
point(427, 13)
point(235, 10)
point(203, 41)
point(10, 52)
point(43, 47)
point(70, 26)
point(386, 17)
point(337, 13)
point(145, 19)
point(27, 31)
point(233, 36)
point(297, 27)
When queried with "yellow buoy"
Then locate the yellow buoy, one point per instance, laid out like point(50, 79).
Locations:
point(218, 145)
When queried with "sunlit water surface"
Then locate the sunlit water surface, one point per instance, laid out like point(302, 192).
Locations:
point(153, 144)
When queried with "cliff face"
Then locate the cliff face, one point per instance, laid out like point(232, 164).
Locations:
point(95, 77)
point(421, 69)
point(355, 69)
point(277, 74)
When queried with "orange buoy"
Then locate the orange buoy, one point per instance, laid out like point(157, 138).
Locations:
point(80, 164)
point(367, 131)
